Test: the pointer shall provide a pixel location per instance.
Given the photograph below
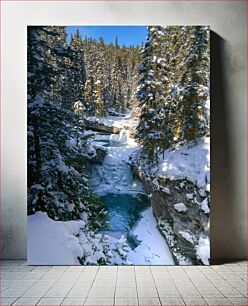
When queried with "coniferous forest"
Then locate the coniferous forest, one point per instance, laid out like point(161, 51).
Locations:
point(118, 147)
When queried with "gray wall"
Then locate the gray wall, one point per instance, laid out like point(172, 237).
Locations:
point(228, 104)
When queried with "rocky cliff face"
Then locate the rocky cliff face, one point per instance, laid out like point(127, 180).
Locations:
point(182, 213)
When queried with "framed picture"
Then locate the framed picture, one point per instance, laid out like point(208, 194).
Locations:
point(118, 145)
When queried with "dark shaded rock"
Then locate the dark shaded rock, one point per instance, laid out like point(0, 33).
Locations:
point(100, 154)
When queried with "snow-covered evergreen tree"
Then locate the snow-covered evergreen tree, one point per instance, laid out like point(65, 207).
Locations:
point(151, 94)
point(99, 99)
point(78, 73)
point(173, 90)
point(89, 96)
point(57, 180)
point(115, 67)
point(195, 84)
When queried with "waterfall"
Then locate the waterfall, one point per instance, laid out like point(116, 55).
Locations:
point(114, 174)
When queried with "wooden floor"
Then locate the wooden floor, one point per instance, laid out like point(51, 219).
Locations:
point(134, 285)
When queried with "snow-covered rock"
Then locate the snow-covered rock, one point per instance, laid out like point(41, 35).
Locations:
point(190, 161)
point(203, 249)
point(189, 196)
point(180, 207)
point(187, 236)
point(204, 206)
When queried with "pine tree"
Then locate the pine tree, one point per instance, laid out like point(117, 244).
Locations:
point(99, 99)
point(78, 73)
point(151, 95)
point(57, 182)
point(173, 87)
point(111, 65)
point(89, 96)
point(195, 84)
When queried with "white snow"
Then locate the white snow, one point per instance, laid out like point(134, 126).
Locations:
point(180, 207)
point(52, 242)
point(203, 250)
point(153, 248)
point(190, 161)
point(187, 236)
point(122, 247)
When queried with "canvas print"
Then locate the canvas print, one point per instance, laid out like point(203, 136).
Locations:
point(118, 145)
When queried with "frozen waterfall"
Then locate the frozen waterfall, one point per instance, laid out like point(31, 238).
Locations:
point(115, 173)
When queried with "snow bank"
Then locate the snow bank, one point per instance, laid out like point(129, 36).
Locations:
point(64, 242)
point(190, 161)
point(153, 248)
point(53, 242)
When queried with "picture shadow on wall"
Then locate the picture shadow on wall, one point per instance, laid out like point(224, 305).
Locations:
point(222, 175)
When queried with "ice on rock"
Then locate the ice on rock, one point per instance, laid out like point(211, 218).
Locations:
point(115, 121)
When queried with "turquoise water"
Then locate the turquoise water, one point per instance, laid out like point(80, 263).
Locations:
point(123, 212)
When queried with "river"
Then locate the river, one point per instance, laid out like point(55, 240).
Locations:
point(129, 211)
